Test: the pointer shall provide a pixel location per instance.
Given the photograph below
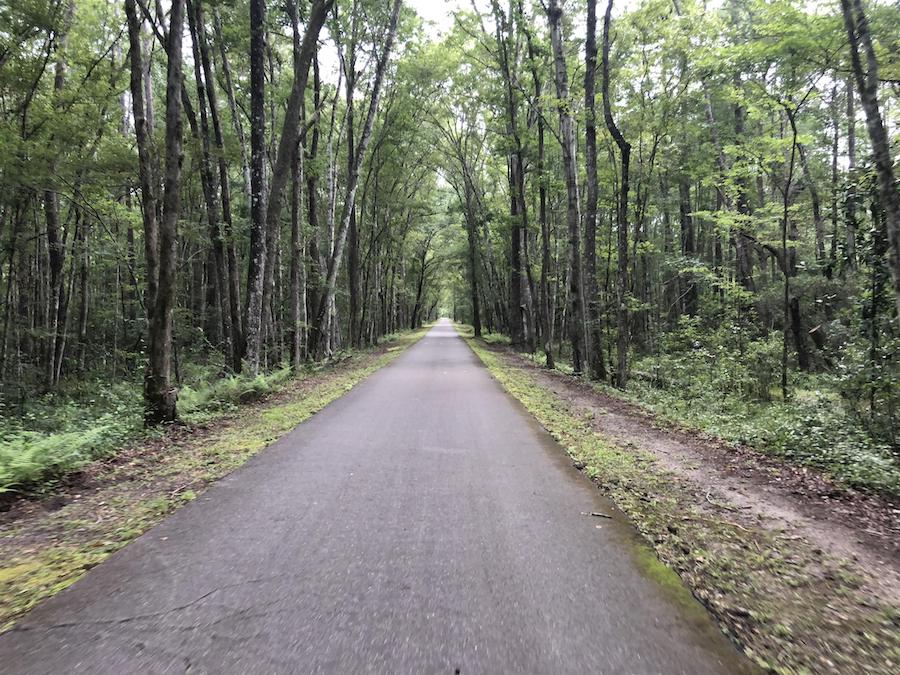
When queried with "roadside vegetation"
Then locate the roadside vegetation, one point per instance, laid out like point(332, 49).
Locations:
point(829, 424)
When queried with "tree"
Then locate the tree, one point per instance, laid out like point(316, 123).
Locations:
point(867, 84)
point(334, 261)
point(159, 394)
point(621, 212)
point(567, 134)
point(595, 358)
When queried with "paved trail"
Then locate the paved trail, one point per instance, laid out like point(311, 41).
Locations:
point(421, 523)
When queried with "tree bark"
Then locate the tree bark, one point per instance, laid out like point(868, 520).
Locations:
point(596, 361)
point(334, 260)
point(159, 394)
point(867, 83)
point(257, 259)
point(567, 134)
point(688, 248)
point(56, 237)
point(233, 271)
point(850, 221)
point(303, 54)
point(818, 221)
point(545, 300)
point(519, 312)
point(621, 214)
point(210, 186)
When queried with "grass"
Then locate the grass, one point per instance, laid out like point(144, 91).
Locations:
point(791, 609)
point(44, 551)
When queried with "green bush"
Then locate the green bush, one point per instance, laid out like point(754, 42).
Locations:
point(206, 399)
point(59, 433)
point(725, 386)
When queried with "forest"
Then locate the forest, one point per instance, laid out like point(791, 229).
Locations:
point(693, 203)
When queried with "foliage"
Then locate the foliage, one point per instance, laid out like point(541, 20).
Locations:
point(62, 432)
point(708, 380)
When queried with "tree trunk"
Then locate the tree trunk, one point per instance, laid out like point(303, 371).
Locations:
point(233, 271)
point(146, 165)
point(210, 188)
point(56, 238)
point(546, 307)
point(334, 261)
point(595, 349)
point(298, 264)
point(818, 221)
point(851, 223)
point(519, 313)
point(159, 394)
point(621, 214)
point(867, 83)
point(567, 134)
point(353, 271)
point(232, 102)
point(257, 259)
point(688, 249)
point(303, 53)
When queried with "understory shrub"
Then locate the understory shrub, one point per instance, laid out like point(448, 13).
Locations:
point(59, 433)
point(729, 388)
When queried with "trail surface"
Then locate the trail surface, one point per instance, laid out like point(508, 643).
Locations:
point(422, 523)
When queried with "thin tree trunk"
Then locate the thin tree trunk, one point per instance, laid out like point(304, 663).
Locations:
point(688, 248)
point(567, 134)
point(818, 221)
point(257, 259)
point(210, 189)
point(233, 272)
point(303, 53)
point(867, 83)
point(232, 102)
point(56, 238)
point(595, 349)
point(298, 303)
point(146, 165)
point(545, 298)
point(851, 223)
point(621, 216)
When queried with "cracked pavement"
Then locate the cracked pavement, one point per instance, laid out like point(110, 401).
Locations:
point(422, 523)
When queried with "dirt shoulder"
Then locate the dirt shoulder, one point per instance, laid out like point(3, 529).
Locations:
point(49, 543)
point(765, 491)
point(801, 572)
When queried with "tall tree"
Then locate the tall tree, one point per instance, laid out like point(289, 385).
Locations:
point(573, 218)
point(159, 393)
point(334, 260)
point(621, 212)
point(866, 78)
point(595, 351)
point(257, 259)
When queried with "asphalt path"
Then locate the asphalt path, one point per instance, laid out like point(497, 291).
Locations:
point(423, 523)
